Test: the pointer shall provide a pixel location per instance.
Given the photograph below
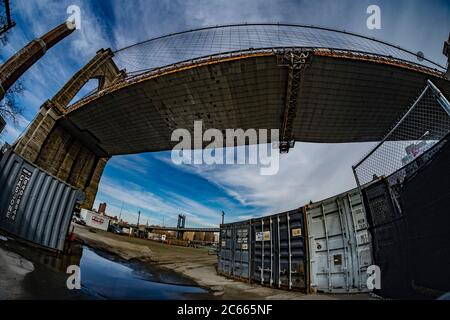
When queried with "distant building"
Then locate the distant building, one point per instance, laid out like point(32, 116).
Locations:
point(112, 219)
point(102, 208)
point(95, 220)
point(414, 150)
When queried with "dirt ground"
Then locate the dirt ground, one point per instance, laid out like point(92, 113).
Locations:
point(199, 264)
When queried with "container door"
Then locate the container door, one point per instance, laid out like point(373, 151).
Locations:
point(329, 249)
point(263, 251)
point(339, 244)
point(226, 247)
point(240, 265)
point(287, 250)
point(360, 244)
point(296, 242)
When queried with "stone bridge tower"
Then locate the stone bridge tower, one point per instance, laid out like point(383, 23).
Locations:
point(16, 66)
point(53, 144)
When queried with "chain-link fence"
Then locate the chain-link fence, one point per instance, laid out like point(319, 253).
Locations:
point(426, 123)
point(212, 41)
point(408, 160)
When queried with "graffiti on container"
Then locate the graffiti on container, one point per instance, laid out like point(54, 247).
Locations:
point(17, 195)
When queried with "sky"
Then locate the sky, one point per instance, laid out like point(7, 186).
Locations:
point(151, 182)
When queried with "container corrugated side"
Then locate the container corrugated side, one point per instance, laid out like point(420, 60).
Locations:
point(270, 250)
point(279, 252)
point(234, 253)
point(34, 205)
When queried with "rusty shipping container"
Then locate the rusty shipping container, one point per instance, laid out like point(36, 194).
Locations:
point(270, 250)
point(34, 205)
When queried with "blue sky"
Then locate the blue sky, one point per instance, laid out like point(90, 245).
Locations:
point(151, 182)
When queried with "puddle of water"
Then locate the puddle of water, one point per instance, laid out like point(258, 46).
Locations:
point(113, 280)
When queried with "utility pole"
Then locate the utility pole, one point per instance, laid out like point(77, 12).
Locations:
point(223, 217)
point(139, 217)
point(120, 213)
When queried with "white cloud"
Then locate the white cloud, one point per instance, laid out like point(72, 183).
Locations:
point(152, 205)
point(307, 172)
point(132, 163)
point(91, 36)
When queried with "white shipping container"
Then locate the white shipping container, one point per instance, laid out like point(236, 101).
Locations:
point(96, 220)
point(216, 237)
point(153, 236)
point(339, 244)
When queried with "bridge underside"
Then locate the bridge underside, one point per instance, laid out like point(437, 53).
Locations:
point(311, 96)
point(339, 99)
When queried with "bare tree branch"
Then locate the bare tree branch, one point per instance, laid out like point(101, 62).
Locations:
point(9, 108)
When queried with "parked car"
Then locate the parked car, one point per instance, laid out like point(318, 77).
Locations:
point(115, 229)
point(79, 220)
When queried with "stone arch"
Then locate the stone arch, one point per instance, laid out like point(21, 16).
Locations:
point(49, 143)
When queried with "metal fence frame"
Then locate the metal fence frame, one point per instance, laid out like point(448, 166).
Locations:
point(403, 232)
point(383, 199)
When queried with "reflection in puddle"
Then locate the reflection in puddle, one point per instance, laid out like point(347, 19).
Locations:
point(113, 280)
